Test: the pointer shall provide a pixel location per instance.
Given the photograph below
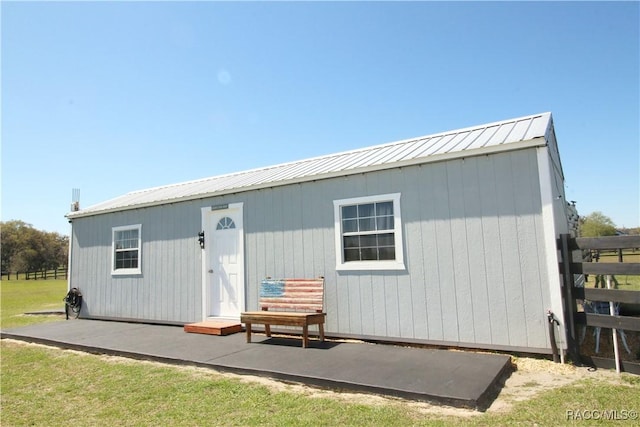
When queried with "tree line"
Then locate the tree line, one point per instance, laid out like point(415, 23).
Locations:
point(25, 248)
point(597, 224)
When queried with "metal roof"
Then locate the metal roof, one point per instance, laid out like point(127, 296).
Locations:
point(506, 135)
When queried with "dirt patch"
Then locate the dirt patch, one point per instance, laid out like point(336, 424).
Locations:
point(629, 347)
point(533, 376)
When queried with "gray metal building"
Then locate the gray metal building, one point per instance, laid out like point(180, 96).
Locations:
point(447, 239)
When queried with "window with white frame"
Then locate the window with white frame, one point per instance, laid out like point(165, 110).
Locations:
point(368, 233)
point(126, 249)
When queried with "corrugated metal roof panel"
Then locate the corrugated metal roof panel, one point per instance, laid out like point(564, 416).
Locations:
point(441, 146)
point(540, 125)
point(425, 146)
point(501, 134)
point(457, 140)
point(505, 135)
point(520, 129)
point(484, 138)
point(470, 139)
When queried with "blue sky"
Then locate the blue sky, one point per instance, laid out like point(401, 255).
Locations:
point(119, 96)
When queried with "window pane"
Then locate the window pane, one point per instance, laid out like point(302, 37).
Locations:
point(118, 239)
point(351, 255)
point(368, 241)
point(126, 239)
point(349, 211)
point(349, 225)
point(126, 259)
point(352, 241)
point(384, 208)
point(127, 234)
point(366, 210)
point(386, 239)
point(385, 223)
point(369, 254)
point(388, 253)
point(225, 223)
point(368, 231)
point(367, 224)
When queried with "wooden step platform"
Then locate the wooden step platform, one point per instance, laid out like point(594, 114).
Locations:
point(214, 327)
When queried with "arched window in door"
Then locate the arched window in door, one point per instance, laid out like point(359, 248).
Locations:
point(225, 223)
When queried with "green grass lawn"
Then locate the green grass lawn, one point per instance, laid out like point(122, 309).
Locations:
point(22, 296)
point(46, 386)
point(625, 282)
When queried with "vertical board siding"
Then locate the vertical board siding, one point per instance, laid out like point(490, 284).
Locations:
point(497, 321)
point(460, 252)
point(366, 307)
point(169, 288)
point(266, 210)
point(378, 308)
point(298, 231)
point(428, 226)
point(444, 260)
point(529, 238)
point(510, 249)
point(473, 250)
point(415, 252)
point(474, 238)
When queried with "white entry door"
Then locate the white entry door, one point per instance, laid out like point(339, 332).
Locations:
point(224, 259)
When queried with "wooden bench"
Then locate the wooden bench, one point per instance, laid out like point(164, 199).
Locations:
point(300, 303)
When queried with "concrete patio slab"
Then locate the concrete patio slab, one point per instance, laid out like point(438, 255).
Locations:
point(455, 378)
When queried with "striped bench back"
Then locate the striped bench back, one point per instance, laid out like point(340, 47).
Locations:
point(292, 294)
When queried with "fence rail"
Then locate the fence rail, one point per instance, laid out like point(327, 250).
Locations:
point(58, 273)
point(570, 267)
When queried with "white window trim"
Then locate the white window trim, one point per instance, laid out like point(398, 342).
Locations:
point(398, 263)
point(125, 271)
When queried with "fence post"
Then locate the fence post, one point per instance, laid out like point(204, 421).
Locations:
point(570, 306)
